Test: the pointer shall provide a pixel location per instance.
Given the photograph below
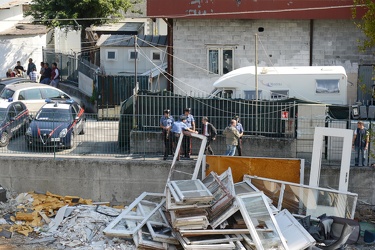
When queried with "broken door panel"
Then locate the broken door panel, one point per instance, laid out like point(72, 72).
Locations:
point(257, 215)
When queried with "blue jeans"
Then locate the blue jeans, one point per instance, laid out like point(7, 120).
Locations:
point(360, 153)
point(231, 150)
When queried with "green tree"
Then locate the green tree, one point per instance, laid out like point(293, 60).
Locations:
point(367, 23)
point(57, 13)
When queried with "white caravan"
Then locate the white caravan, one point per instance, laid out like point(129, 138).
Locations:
point(325, 84)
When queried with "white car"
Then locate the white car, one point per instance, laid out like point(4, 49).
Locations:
point(33, 95)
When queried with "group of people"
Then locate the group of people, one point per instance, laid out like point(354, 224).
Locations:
point(172, 130)
point(46, 75)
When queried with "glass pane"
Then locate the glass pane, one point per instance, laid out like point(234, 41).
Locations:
point(213, 61)
point(227, 61)
point(111, 55)
point(261, 219)
point(305, 200)
point(327, 86)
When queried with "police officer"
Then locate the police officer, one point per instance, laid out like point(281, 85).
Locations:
point(166, 122)
point(178, 128)
point(186, 141)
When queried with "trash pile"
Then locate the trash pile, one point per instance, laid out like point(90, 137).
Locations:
point(58, 221)
point(215, 213)
point(212, 213)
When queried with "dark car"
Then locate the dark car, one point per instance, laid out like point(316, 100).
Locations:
point(14, 119)
point(56, 124)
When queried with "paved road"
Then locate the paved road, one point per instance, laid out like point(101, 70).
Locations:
point(100, 138)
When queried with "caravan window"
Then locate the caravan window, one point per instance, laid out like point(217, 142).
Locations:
point(250, 94)
point(223, 93)
point(328, 86)
point(279, 94)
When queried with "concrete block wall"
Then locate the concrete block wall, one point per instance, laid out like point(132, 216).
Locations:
point(121, 181)
point(96, 179)
point(282, 43)
point(151, 143)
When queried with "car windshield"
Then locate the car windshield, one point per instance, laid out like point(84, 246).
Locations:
point(6, 93)
point(3, 114)
point(54, 115)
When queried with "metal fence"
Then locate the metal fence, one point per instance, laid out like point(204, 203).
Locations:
point(101, 139)
point(68, 64)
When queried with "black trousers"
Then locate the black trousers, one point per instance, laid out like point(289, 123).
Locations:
point(167, 138)
point(239, 147)
point(208, 148)
point(186, 145)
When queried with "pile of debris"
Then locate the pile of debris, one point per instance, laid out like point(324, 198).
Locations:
point(215, 213)
point(58, 221)
point(212, 213)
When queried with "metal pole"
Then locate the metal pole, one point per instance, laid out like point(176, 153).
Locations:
point(135, 82)
point(256, 83)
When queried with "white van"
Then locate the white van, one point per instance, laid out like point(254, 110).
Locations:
point(32, 94)
point(325, 84)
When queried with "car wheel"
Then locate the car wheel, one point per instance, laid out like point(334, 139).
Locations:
point(71, 142)
point(4, 139)
point(82, 132)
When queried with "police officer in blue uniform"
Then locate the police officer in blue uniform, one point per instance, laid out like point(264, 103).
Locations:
point(166, 122)
point(186, 142)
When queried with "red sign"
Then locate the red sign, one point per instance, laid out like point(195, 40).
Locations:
point(284, 115)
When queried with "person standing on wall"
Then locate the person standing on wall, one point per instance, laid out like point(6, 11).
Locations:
point(186, 141)
point(19, 69)
point(231, 138)
point(55, 75)
point(210, 132)
point(240, 130)
point(179, 127)
point(166, 122)
point(41, 71)
point(360, 143)
point(46, 77)
point(30, 67)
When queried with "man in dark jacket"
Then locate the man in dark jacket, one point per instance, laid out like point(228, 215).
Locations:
point(210, 132)
point(360, 143)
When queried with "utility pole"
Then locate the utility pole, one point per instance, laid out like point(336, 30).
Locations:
point(256, 83)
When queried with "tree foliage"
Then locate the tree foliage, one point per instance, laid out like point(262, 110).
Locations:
point(367, 24)
point(56, 13)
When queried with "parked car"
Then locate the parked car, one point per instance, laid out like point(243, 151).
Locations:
point(33, 95)
point(56, 124)
point(6, 81)
point(14, 119)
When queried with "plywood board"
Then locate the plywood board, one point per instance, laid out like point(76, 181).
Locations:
point(273, 168)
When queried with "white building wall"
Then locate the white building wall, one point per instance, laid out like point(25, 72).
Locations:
point(123, 65)
point(67, 40)
point(20, 48)
point(282, 43)
point(10, 17)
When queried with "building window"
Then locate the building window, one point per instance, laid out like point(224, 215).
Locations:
point(220, 60)
point(111, 54)
point(279, 94)
point(133, 55)
point(328, 86)
point(155, 55)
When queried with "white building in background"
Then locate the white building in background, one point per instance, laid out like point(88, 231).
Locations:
point(67, 40)
point(19, 40)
